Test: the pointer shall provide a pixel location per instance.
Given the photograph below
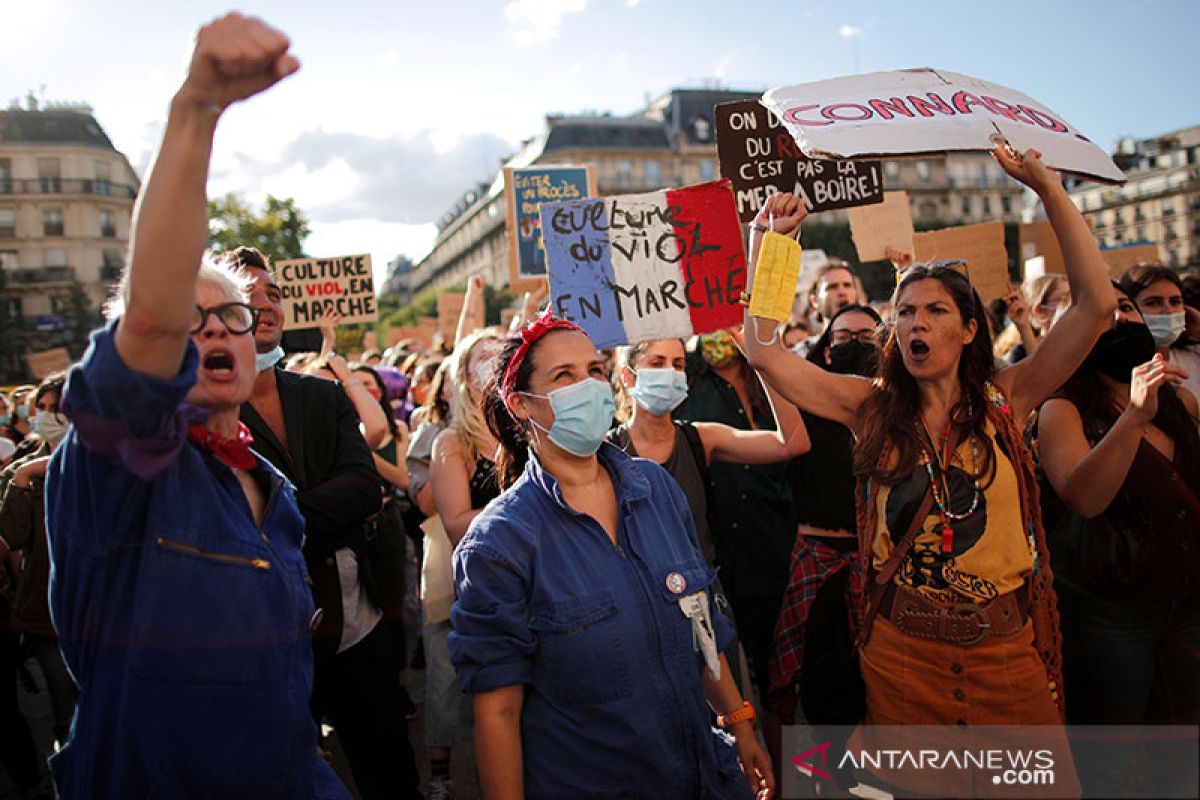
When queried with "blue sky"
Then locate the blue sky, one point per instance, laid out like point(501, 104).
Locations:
point(399, 106)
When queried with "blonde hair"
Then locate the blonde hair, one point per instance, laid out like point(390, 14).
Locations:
point(231, 279)
point(466, 406)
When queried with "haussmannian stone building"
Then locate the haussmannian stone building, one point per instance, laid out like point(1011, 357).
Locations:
point(66, 199)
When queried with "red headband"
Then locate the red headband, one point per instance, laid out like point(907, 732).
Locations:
point(530, 334)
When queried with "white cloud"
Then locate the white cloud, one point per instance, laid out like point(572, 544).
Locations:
point(632, 3)
point(851, 32)
point(721, 68)
point(388, 58)
point(539, 20)
point(383, 240)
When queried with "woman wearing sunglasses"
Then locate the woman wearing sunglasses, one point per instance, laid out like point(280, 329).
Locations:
point(959, 627)
point(179, 591)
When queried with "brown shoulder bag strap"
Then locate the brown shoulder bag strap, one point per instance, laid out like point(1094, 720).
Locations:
point(883, 577)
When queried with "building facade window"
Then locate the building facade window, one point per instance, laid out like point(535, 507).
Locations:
point(50, 175)
point(891, 169)
point(622, 172)
point(52, 222)
point(8, 223)
point(928, 209)
point(1006, 205)
point(108, 228)
point(6, 184)
point(55, 257)
point(923, 171)
point(653, 168)
point(987, 206)
point(103, 183)
point(1168, 207)
point(708, 172)
point(966, 206)
point(8, 259)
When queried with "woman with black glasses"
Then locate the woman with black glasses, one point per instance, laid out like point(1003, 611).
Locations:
point(180, 593)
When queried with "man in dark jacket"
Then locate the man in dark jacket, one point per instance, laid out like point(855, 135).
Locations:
point(307, 427)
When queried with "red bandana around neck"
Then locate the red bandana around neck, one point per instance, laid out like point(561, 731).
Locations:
point(234, 452)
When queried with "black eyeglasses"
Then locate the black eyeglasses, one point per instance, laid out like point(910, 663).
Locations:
point(867, 336)
point(238, 318)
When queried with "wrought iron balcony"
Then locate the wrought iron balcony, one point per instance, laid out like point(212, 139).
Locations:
point(26, 276)
point(60, 186)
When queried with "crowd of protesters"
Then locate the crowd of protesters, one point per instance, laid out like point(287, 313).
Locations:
point(620, 572)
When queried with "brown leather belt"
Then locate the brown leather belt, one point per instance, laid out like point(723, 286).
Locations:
point(965, 624)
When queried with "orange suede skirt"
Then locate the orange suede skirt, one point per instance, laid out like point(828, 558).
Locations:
point(999, 682)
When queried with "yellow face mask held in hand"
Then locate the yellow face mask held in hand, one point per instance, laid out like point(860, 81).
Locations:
point(775, 277)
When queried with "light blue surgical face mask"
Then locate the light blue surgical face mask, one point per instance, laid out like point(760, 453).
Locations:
point(659, 390)
point(267, 360)
point(22, 411)
point(1166, 328)
point(583, 413)
point(5, 419)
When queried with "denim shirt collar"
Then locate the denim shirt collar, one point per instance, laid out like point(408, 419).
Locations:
point(629, 482)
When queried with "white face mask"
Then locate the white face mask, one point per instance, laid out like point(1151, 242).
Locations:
point(51, 427)
point(1166, 328)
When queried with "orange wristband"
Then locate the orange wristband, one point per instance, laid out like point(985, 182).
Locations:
point(743, 714)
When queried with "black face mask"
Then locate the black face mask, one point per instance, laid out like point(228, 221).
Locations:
point(854, 358)
point(1122, 348)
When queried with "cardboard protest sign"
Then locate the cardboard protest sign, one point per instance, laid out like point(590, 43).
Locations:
point(314, 288)
point(925, 110)
point(981, 246)
point(426, 329)
point(877, 227)
point(1120, 259)
point(47, 362)
point(450, 305)
point(633, 268)
point(1038, 239)
point(398, 333)
point(525, 189)
point(761, 158)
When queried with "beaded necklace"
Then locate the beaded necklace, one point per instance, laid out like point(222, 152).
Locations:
point(941, 493)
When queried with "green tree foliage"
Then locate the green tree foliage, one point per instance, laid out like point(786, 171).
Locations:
point(81, 318)
point(425, 305)
point(279, 230)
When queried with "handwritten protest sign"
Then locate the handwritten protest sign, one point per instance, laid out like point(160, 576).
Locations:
point(314, 288)
point(981, 246)
point(47, 362)
point(450, 305)
point(525, 189)
point(887, 224)
point(907, 112)
point(633, 268)
point(1120, 259)
point(761, 158)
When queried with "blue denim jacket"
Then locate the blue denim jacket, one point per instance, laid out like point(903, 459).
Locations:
point(184, 624)
point(614, 702)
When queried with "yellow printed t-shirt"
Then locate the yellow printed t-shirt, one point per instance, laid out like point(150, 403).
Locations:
point(990, 554)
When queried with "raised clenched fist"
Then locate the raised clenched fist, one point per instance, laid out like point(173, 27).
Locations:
point(236, 57)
